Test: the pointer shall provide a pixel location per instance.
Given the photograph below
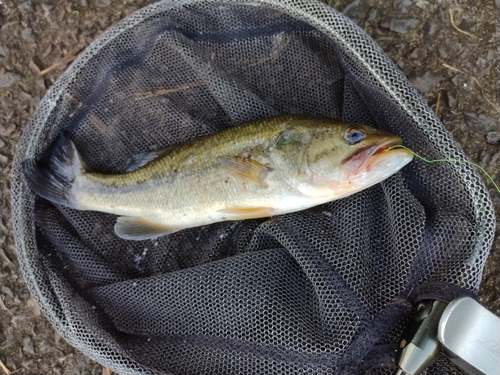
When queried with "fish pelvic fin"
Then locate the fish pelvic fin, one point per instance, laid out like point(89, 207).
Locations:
point(244, 213)
point(138, 228)
point(53, 178)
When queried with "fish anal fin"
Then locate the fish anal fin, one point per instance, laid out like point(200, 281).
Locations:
point(244, 213)
point(138, 228)
point(246, 169)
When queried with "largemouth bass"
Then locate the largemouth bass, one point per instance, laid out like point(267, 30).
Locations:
point(262, 168)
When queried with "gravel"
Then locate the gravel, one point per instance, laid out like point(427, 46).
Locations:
point(401, 26)
point(103, 3)
point(417, 35)
point(27, 34)
point(8, 79)
point(479, 123)
point(424, 82)
point(492, 138)
point(403, 6)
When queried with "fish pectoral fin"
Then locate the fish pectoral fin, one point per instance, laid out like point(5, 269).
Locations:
point(138, 228)
point(244, 213)
point(246, 169)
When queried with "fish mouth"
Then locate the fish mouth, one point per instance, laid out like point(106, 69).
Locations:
point(383, 146)
point(363, 156)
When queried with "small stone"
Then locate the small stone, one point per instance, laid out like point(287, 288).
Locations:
point(6, 26)
point(432, 28)
point(103, 3)
point(27, 34)
point(26, 7)
point(425, 82)
point(401, 64)
point(40, 82)
point(403, 6)
point(7, 291)
point(33, 306)
point(481, 63)
point(28, 346)
point(6, 131)
point(57, 337)
point(399, 47)
point(451, 44)
point(492, 137)
point(3, 159)
point(2, 143)
point(422, 4)
point(456, 80)
point(372, 15)
point(417, 54)
point(8, 79)
point(401, 26)
point(4, 51)
point(34, 68)
point(46, 10)
point(351, 9)
point(490, 55)
point(465, 54)
point(479, 123)
point(451, 100)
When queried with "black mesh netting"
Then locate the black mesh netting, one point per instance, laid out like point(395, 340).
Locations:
point(308, 292)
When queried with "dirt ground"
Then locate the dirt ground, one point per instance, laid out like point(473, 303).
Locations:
point(448, 49)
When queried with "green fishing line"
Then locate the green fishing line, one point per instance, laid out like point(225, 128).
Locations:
point(450, 161)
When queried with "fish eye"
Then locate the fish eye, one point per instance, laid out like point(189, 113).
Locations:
point(354, 135)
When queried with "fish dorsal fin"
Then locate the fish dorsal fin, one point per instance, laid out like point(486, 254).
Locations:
point(138, 228)
point(246, 169)
point(140, 160)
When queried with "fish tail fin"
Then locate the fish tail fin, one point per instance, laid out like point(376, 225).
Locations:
point(53, 178)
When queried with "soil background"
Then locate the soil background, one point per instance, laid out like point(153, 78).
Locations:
point(454, 65)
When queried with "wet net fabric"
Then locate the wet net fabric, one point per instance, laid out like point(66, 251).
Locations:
point(309, 292)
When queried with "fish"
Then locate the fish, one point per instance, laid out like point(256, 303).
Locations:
point(272, 166)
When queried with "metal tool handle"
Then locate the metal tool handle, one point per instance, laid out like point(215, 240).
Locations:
point(470, 335)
